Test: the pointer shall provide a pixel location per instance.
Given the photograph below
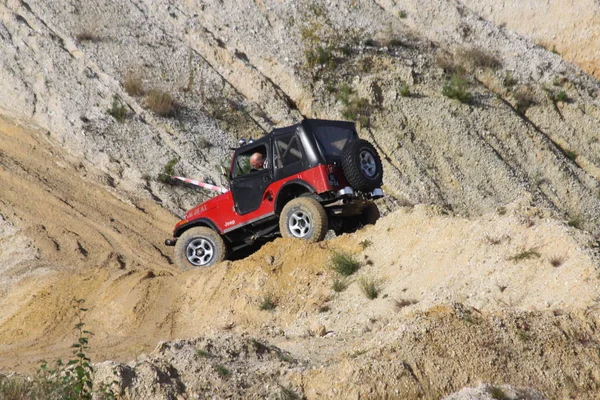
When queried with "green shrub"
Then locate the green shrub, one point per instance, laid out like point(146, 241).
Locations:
point(168, 171)
point(223, 371)
point(118, 110)
point(456, 88)
point(576, 222)
point(404, 90)
point(268, 303)
point(344, 263)
point(561, 97)
point(401, 14)
point(320, 55)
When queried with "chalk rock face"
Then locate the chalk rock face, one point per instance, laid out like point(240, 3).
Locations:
point(570, 29)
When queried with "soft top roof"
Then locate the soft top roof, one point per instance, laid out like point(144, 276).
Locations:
point(312, 123)
point(307, 123)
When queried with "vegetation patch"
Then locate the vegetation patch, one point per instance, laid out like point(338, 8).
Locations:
point(268, 303)
point(576, 222)
point(344, 263)
point(523, 99)
point(479, 58)
point(339, 285)
point(160, 102)
point(355, 108)
point(222, 371)
point(525, 254)
point(366, 243)
point(168, 171)
point(370, 287)
point(118, 110)
point(498, 394)
point(457, 88)
point(404, 90)
point(133, 84)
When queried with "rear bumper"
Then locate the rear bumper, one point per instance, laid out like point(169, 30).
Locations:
point(348, 191)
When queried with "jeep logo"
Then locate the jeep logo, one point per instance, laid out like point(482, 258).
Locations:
point(230, 223)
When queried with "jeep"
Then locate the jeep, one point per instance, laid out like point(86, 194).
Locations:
point(316, 175)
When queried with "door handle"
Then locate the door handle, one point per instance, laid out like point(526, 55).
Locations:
point(267, 178)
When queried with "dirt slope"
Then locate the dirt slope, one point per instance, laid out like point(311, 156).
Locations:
point(447, 283)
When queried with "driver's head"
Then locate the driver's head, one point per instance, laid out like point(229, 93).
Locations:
point(256, 160)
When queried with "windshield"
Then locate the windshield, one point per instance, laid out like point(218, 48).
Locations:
point(332, 139)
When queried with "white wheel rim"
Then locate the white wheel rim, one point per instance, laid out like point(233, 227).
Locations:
point(367, 163)
point(299, 224)
point(199, 252)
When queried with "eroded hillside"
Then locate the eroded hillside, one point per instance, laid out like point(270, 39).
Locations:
point(94, 73)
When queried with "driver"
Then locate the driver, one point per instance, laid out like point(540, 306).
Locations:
point(257, 161)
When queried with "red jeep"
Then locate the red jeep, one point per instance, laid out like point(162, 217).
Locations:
point(317, 175)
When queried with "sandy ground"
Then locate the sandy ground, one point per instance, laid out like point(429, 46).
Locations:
point(65, 233)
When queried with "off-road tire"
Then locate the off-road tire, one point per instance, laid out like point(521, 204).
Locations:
point(202, 237)
point(362, 165)
point(370, 214)
point(297, 213)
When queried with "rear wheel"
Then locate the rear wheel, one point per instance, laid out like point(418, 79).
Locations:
point(303, 218)
point(199, 247)
point(362, 165)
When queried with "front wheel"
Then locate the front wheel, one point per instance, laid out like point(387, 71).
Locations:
point(303, 218)
point(199, 247)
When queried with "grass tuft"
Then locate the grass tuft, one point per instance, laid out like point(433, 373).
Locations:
point(344, 263)
point(161, 103)
point(223, 371)
point(118, 110)
point(556, 261)
point(339, 285)
point(202, 353)
point(456, 88)
point(525, 254)
point(268, 303)
point(576, 222)
point(133, 84)
point(370, 287)
point(168, 171)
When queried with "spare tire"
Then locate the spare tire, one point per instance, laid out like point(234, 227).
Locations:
point(362, 165)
